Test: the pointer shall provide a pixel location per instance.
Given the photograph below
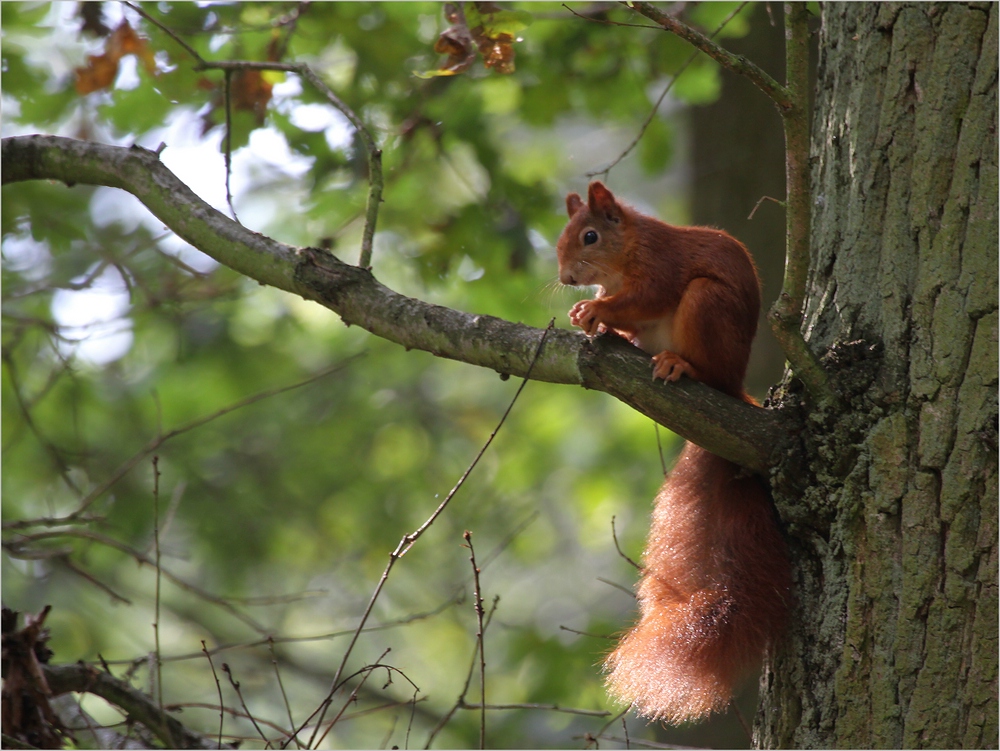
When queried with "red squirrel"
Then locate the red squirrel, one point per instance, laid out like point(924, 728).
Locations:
point(715, 579)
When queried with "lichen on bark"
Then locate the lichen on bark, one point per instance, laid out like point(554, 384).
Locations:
point(896, 641)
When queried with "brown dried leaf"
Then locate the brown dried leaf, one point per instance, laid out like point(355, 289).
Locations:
point(101, 70)
point(497, 52)
point(251, 92)
point(484, 27)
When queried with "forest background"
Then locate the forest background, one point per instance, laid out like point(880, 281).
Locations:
point(276, 519)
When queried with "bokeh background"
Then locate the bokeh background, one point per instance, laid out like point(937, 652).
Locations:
point(277, 518)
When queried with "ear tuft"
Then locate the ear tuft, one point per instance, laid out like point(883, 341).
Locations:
point(601, 202)
point(573, 204)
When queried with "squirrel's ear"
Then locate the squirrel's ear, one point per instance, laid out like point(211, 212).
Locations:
point(573, 203)
point(601, 202)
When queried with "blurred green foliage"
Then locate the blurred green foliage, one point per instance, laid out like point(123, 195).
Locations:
point(285, 510)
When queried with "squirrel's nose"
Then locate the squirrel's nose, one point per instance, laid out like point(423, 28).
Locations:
point(566, 277)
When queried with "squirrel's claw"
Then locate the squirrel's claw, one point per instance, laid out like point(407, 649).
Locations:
point(583, 315)
point(670, 367)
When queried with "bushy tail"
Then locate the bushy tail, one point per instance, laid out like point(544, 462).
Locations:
point(713, 596)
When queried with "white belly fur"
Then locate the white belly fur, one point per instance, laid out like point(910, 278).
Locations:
point(654, 336)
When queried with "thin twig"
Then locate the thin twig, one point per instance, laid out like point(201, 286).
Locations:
point(13, 547)
point(281, 687)
point(162, 438)
point(643, 744)
point(373, 152)
point(669, 86)
point(365, 671)
point(607, 21)
point(291, 22)
point(409, 725)
point(618, 547)
point(586, 633)
point(168, 518)
point(236, 687)
point(227, 93)
point(68, 563)
point(389, 732)
point(408, 541)
point(460, 701)
point(231, 711)
point(617, 586)
point(156, 599)
point(659, 449)
point(350, 699)
point(545, 707)
point(376, 182)
point(736, 63)
point(612, 721)
point(480, 637)
point(302, 639)
point(742, 721)
point(187, 47)
point(218, 686)
point(49, 447)
point(759, 202)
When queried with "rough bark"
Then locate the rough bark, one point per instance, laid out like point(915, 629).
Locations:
point(895, 525)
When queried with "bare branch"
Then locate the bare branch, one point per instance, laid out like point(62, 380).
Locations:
point(247, 713)
point(545, 707)
point(86, 679)
point(375, 179)
point(16, 545)
point(477, 598)
point(614, 535)
point(785, 315)
point(155, 443)
point(460, 701)
point(725, 426)
point(792, 101)
point(409, 540)
point(159, 579)
point(736, 63)
point(666, 90)
point(218, 687)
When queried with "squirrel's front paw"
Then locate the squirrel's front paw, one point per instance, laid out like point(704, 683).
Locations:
point(584, 315)
point(670, 366)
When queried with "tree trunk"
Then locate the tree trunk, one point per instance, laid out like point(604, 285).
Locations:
point(895, 532)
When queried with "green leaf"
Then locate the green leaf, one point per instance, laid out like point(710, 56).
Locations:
point(700, 83)
point(656, 147)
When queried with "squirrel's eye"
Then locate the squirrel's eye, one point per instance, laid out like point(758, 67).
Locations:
point(589, 237)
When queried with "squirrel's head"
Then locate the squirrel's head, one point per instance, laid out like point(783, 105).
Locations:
point(591, 245)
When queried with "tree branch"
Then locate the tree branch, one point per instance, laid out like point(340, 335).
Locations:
point(785, 315)
point(792, 101)
point(139, 707)
point(728, 427)
point(777, 93)
point(376, 182)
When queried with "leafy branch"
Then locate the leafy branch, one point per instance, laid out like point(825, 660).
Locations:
point(728, 427)
point(376, 182)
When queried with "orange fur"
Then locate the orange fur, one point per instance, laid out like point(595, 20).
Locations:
point(715, 585)
point(698, 284)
